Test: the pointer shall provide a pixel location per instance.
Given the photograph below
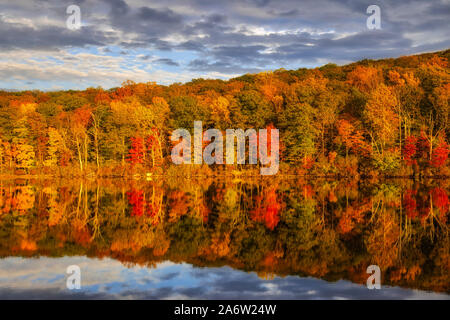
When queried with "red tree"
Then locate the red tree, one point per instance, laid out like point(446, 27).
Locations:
point(440, 154)
point(410, 150)
point(136, 152)
point(423, 146)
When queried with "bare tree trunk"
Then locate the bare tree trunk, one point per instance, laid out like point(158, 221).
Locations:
point(85, 150)
point(400, 135)
point(79, 153)
point(123, 151)
point(323, 140)
point(153, 156)
point(96, 140)
point(431, 135)
point(160, 150)
point(96, 152)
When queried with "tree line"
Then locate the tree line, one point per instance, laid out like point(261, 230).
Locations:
point(387, 117)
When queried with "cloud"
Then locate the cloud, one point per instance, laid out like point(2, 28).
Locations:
point(45, 278)
point(224, 67)
point(168, 62)
point(201, 38)
point(16, 35)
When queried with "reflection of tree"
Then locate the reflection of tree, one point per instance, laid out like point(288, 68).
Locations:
point(330, 230)
point(179, 205)
point(267, 209)
point(382, 242)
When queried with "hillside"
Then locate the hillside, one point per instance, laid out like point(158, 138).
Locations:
point(372, 117)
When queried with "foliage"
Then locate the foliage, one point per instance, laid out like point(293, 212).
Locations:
point(389, 115)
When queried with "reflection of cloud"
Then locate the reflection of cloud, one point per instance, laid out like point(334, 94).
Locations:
point(45, 278)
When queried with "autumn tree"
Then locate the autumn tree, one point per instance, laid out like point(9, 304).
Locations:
point(440, 153)
point(434, 115)
point(382, 120)
point(23, 150)
point(54, 147)
point(351, 138)
point(137, 150)
point(79, 124)
point(366, 79)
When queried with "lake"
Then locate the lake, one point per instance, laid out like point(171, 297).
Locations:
point(224, 238)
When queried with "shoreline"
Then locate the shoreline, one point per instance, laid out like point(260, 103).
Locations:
point(138, 176)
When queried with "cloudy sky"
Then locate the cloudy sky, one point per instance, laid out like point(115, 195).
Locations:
point(177, 40)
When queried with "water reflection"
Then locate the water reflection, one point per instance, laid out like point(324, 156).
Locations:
point(278, 230)
point(110, 279)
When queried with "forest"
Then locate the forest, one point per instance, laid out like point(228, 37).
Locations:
point(372, 118)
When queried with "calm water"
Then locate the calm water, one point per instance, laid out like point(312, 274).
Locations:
point(224, 239)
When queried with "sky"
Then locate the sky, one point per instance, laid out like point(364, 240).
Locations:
point(46, 278)
point(179, 40)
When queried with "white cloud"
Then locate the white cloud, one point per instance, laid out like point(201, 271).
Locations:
point(37, 48)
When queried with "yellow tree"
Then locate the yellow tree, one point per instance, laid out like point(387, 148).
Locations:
point(160, 109)
point(271, 87)
point(54, 146)
point(23, 150)
point(122, 121)
point(134, 119)
point(435, 80)
point(79, 122)
point(220, 113)
point(366, 79)
point(382, 117)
